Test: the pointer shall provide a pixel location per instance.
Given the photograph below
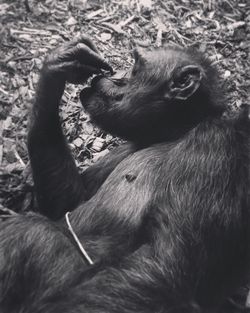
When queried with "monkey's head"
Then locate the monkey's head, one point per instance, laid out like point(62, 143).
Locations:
point(168, 91)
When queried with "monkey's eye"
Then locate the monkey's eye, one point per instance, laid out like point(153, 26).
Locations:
point(183, 80)
point(120, 78)
point(119, 82)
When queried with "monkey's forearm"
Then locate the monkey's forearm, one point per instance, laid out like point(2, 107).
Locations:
point(58, 184)
point(44, 115)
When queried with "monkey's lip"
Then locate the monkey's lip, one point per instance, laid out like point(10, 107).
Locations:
point(98, 85)
point(88, 91)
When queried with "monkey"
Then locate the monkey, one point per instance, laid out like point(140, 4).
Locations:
point(167, 226)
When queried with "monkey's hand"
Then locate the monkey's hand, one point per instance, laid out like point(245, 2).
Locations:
point(74, 61)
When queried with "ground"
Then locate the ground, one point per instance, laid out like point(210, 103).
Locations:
point(30, 28)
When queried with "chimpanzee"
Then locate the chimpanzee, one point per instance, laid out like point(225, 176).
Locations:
point(165, 219)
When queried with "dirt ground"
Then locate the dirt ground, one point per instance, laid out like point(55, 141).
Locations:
point(30, 28)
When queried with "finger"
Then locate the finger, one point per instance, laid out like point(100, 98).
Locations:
point(87, 41)
point(82, 52)
point(75, 72)
point(86, 55)
point(90, 70)
point(81, 39)
point(76, 66)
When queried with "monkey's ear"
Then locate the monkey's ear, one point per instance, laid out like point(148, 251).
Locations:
point(185, 82)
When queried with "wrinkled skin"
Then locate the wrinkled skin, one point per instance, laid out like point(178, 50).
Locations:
point(165, 218)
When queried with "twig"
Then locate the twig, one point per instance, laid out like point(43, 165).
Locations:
point(27, 6)
point(235, 25)
point(19, 158)
point(30, 31)
point(127, 21)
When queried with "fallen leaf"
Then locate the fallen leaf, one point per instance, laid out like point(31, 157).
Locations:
point(71, 21)
point(4, 8)
point(146, 3)
point(227, 74)
point(78, 142)
point(98, 144)
point(93, 14)
point(105, 37)
point(115, 27)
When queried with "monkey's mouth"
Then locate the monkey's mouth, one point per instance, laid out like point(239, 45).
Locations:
point(91, 90)
point(108, 87)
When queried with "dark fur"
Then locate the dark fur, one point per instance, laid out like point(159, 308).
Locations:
point(167, 224)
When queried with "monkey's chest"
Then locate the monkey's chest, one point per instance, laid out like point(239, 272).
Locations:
point(130, 188)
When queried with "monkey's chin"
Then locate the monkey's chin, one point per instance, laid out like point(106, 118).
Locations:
point(85, 94)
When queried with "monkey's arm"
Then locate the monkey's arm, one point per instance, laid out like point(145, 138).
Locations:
point(139, 284)
point(58, 184)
